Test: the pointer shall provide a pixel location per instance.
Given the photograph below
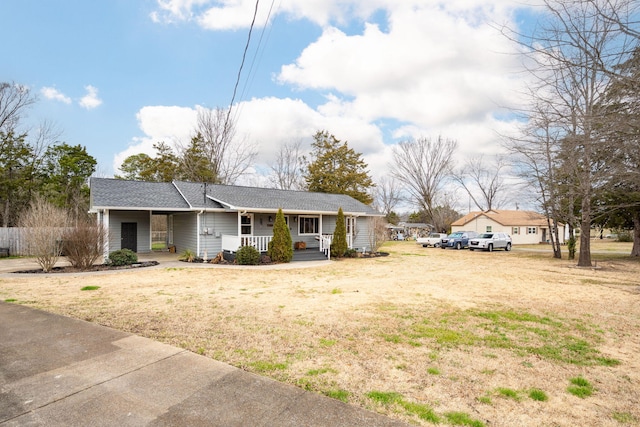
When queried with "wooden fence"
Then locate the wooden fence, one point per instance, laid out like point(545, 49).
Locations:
point(13, 238)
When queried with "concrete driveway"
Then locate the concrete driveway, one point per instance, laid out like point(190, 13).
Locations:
point(58, 371)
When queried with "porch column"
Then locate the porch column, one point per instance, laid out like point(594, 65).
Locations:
point(104, 222)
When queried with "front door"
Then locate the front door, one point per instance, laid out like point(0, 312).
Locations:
point(129, 236)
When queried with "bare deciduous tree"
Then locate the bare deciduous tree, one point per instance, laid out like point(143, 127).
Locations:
point(227, 156)
point(378, 232)
point(536, 156)
point(575, 52)
point(388, 194)
point(14, 99)
point(44, 226)
point(422, 165)
point(484, 183)
point(288, 169)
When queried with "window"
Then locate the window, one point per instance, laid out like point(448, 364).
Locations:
point(515, 230)
point(246, 225)
point(532, 230)
point(308, 225)
point(351, 225)
point(489, 229)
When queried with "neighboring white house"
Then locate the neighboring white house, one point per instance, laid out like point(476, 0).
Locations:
point(208, 218)
point(524, 227)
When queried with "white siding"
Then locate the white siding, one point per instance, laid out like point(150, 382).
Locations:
point(522, 238)
point(217, 224)
point(141, 218)
point(362, 238)
point(184, 232)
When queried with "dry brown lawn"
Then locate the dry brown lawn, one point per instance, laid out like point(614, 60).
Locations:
point(419, 335)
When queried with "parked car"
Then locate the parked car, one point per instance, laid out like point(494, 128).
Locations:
point(458, 239)
point(432, 240)
point(491, 241)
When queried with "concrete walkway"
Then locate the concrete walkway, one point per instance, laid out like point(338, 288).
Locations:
point(165, 259)
point(57, 371)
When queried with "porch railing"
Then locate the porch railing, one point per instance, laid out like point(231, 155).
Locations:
point(232, 243)
point(327, 239)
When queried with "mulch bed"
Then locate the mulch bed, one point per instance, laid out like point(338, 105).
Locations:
point(97, 267)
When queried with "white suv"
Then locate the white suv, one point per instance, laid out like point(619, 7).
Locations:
point(491, 241)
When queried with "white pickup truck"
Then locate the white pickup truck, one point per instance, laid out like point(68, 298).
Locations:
point(432, 240)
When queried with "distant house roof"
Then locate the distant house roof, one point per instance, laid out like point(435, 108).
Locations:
point(109, 193)
point(505, 217)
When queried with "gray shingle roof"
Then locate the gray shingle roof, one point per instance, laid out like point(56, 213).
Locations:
point(180, 195)
point(117, 193)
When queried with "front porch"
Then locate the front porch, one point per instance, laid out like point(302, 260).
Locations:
point(232, 243)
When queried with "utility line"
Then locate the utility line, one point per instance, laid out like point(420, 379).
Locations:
point(244, 55)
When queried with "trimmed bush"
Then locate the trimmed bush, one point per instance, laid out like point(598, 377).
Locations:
point(123, 257)
point(281, 245)
point(248, 255)
point(83, 244)
point(339, 244)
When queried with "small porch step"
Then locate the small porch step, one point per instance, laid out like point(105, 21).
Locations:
point(309, 254)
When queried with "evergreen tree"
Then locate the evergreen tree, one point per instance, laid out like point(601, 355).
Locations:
point(336, 168)
point(67, 169)
point(339, 244)
point(281, 245)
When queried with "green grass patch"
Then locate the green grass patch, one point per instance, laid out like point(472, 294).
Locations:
point(565, 341)
point(396, 339)
point(485, 399)
point(508, 393)
point(315, 372)
point(266, 366)
point(384, 398)
point(580, 387)
point(433, 371)
point(327, 342)
point(462, 419)
point(336, 291)
point(422, 411)
point(341, 395)
point(90, 288)
point(624, 417)
point(10, 300)
point(538, 395)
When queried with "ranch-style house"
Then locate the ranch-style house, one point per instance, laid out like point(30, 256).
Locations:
point(208, 218)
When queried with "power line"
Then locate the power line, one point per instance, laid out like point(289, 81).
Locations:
point(244, 55)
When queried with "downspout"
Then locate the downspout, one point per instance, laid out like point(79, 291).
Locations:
point(198, 233)
point(106, 226)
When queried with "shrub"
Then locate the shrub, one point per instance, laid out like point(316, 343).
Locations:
point(625, 236)
point(44, 226)
point(280, 246)
point(123, 257)
point(339, 244)
point(571, 247)
point(351, 253)
point(188, 256)
point(248, 255)
point(84, 244)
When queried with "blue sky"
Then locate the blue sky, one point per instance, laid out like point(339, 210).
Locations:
point(120, 75)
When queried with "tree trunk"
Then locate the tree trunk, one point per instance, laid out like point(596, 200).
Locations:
point(5, 217)
point(555, 240)
point(584, 259)
point(635, 250)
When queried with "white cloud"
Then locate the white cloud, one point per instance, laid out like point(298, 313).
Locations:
point(433, 68)
point(169, 124)
point(91, 99)
point(55, 95)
